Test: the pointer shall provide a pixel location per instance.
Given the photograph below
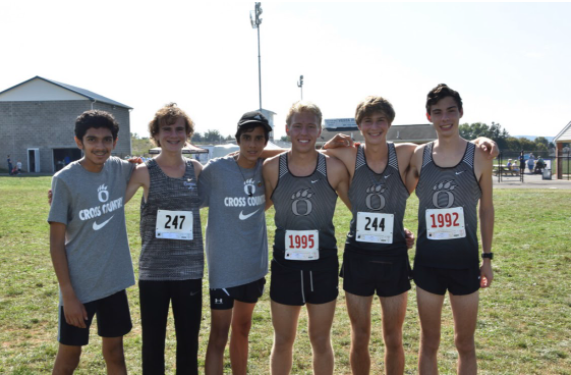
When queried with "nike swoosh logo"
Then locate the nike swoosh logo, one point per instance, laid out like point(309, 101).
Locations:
point(192, 294)
point(314, 181)
point(99, 226)
point(244, 217)
point(388, 176)
point(460, 172)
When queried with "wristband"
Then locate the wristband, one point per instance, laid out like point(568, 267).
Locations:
point(489, 256)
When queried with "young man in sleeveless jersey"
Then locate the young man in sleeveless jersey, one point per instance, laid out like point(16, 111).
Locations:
point(453, 177)
point(303, 186)
point(236, 242)
point(171, 263)
point(89, 246)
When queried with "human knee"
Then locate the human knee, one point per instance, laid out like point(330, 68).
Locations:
point(464, 344)
point(113, 353)
point(393, 340)
point(320, 342)
point(242, 327)
point(430, 342)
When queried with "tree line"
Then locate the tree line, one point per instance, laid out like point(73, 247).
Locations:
point(504, 140)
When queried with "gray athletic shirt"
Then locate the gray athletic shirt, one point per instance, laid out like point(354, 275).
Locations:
point(236, 236)
point(169, 259)
point(440, 187)
point(305, 203)
point(91, 205)
point(379, 193)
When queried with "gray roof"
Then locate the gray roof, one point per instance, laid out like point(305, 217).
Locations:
point(417, 133)
point(78, 90)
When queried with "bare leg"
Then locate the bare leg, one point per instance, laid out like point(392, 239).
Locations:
point(113, 354)
point(241, 324)
point(67, 359)
point(284, 320)
point(430, 313)
point(220, 325)
point(394, 310)
point(320, 322)
point(465, 311)
point(359, 309)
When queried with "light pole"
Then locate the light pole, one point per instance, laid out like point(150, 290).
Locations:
point(300, 85)
point(255, 21)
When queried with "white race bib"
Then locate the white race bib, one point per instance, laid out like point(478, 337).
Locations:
point(445, 223)
point(174, 225)
point(374, 227)
point(302, 244)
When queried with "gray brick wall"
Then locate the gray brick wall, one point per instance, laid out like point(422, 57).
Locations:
point(48, 125)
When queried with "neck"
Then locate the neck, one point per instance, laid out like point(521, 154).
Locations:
point(170, 159)
point(245, 163)
point(375, 149)
point(449, 143)
point(303, 158)
point(94, 168)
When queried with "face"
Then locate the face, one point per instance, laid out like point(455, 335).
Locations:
point(252, 143)
point(303, 131)
point(172, 137)
point(374, 127)
point(445, 116)
point(97, 144)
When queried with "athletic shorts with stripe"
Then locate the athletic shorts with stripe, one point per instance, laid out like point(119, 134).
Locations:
point(363, 274)
point(296, 283)
point(438, 280)
point(223, 298)
point(113, 320)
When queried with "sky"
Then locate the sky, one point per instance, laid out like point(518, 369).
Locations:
point(511, 62)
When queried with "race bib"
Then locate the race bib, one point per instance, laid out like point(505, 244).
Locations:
point(445, 223)
point(174, 225)
point(374, 227)
point(302, 245)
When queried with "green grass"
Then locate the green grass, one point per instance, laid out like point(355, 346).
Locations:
point(524, 324)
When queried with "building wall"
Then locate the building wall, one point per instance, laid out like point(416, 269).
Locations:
point(50, 124)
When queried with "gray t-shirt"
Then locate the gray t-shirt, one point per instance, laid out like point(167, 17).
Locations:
point(91, 205)
point(236, 236)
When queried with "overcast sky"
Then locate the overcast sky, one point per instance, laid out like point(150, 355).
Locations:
point(511, 62)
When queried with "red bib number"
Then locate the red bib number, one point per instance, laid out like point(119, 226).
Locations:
point(302, 245)
point(445, 223)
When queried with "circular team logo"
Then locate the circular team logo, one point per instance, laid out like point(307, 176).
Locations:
point(443, 197)
point(249, 187)
point(102, 194)
point(375, 200)
point(301, 205)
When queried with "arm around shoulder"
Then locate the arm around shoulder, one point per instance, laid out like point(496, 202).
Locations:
point(270, 172)
point(140, 177)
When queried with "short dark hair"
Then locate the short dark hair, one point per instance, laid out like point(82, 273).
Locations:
point(95, 119)
point(440, 92)
point(246, 128)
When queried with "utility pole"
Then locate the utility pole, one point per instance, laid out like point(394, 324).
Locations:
point(255, 21)
point(300, 85)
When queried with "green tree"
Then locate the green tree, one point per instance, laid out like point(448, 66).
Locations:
point(212, 136)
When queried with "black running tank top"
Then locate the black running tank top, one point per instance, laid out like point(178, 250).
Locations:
point(378, 193)
point(169, 259)
point(442, 241)
point(305, 203)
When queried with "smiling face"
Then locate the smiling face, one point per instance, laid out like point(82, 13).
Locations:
point(445, 116)
point(172, 137)
point(97, 144)
point(304, 131)
point(374, 127)
point(252, 143)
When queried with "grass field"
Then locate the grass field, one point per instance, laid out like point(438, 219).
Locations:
point(524, 324)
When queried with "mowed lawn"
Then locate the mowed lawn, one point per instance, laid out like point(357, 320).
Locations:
point(524, 324)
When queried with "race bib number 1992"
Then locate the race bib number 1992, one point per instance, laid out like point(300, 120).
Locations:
point(445, 223)
point(174, 225)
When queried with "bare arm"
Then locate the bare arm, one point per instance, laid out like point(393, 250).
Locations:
point(140, 177)
point(486, 212)
point(488, 146)
point(413, 171)
point(339, 179)
point(75, 313)
point(270, 172)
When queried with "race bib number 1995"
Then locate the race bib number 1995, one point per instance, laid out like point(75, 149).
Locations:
point(174, 225)
point(445, 223)
point(302, 245)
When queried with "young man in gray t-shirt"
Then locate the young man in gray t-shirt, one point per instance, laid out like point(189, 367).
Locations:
point(89, 247)
point(236, 242)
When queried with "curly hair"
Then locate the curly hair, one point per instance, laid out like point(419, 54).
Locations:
point(95, 119)
point(168, 115)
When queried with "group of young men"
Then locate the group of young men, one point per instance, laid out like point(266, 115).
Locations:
point(374, 180)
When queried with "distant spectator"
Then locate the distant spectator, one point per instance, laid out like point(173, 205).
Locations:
point(66, 160)
point(540, 164)
point(521, 162)
point(9, 161)
point(510, 164)
point(19, 166)
point(531, 163)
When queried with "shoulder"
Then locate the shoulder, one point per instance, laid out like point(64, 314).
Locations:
point(272, 162)
point(335, 165)
point(405, 148)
